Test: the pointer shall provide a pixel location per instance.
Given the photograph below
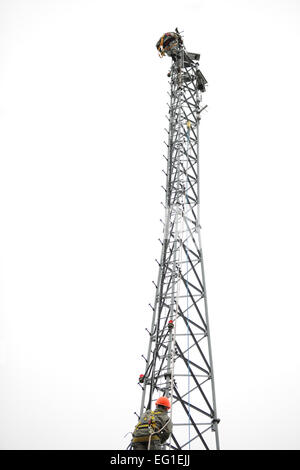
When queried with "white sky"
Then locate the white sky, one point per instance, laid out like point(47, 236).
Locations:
point(82, 114)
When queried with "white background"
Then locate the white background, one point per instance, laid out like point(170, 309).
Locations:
point(82, 103)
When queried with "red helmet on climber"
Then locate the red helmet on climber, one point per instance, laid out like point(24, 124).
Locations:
point(163, 401)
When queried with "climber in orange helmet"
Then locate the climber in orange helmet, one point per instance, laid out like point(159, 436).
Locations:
point(154, 427)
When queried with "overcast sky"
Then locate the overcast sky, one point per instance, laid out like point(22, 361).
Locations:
point(83, 98)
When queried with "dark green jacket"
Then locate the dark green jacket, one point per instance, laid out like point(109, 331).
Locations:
point(162, 426)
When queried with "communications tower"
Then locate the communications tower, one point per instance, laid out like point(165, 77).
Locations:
point(179, 359)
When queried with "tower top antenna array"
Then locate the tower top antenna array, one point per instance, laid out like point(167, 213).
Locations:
point(171, 44)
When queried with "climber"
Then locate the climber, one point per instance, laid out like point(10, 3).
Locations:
point(169, 44)
point(153, 428)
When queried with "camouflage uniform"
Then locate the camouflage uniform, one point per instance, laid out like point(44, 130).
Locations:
point(141, 435)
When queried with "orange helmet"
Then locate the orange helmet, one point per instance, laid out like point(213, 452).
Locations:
point(164, 401)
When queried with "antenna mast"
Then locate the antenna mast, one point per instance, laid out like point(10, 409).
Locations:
point(179, 360)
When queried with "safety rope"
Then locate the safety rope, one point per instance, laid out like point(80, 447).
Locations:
point(156, 432)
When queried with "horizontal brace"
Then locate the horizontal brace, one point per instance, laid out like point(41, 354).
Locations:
point(189, 424)
point(184, 296)
point(189, 375)
point(189, 334)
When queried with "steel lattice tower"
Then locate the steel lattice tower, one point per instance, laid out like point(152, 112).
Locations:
point(179, 360)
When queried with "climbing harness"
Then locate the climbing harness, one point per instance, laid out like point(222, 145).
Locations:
point(152, 433)
point(148, 425)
